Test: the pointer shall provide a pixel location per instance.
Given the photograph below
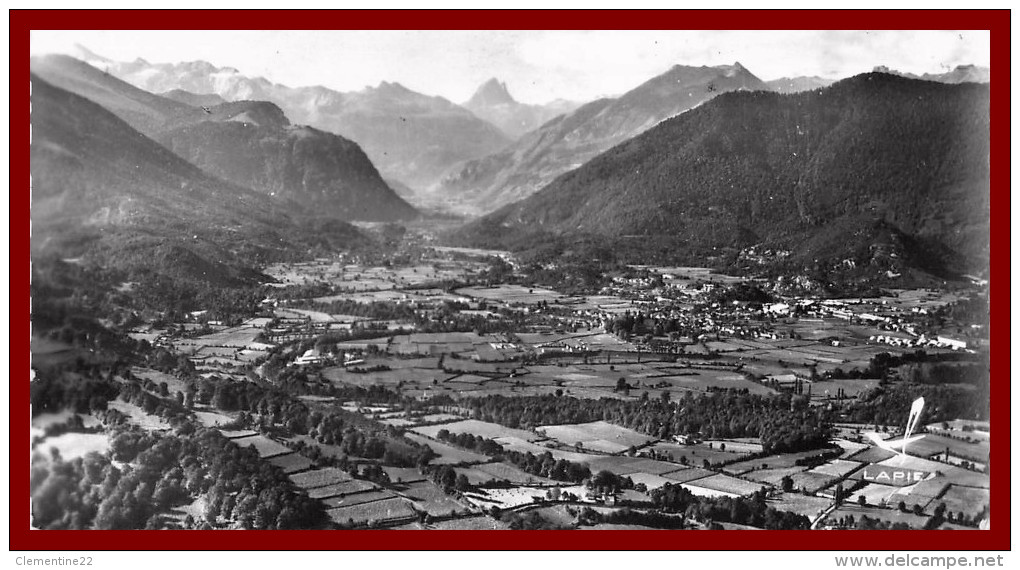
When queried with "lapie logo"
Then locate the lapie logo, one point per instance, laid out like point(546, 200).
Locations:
point(893, 476)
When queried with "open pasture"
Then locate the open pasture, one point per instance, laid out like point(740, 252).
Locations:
point(872, 454)
point(773, 476)
point(511, 474)
point(933, 444)
point(320, 477)
point(448, 455)
point(812, 482)
point(595, 431)
point(403, 474)
point(212, 419)
point(837, 468)
point(696, 454)
point(265, 446)
point(874, 494)
point(387, 510)
point(505, 498)
point(703, 380)
point(888, 515)
point(742, 445)
point(358, 498)
point(727, 484)
point(523, 446)
point(341, 489)
point(959, 499)
point(470, 523)
point(688, 474)
point(291, 462)
point(513, 294)
point(771, 462)
point(339, 375)
point(616, 464)
point(432, 500)
point(479, 428)
point(805, 505)
point(649, 480)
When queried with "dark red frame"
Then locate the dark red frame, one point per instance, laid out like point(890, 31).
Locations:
point(22, 21)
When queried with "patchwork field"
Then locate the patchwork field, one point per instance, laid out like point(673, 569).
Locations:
point(291, 462)
point(596, 434)
point(320, 478)
point(485, 429)
point(727, 484)
point(265, 446)
point(958, 499)
point(376, 512)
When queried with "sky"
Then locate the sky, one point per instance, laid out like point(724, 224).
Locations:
point(538, 66)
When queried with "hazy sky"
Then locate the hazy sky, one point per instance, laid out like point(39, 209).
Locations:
point(538, 66)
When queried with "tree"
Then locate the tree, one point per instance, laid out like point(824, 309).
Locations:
point(787, 483)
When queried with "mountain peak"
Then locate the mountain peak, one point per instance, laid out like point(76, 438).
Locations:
point(492, 92)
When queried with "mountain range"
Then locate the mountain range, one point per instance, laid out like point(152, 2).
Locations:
point(105, 192)
point(570, 140)
point(410, 137)
point(959, 74)
point(875, 171)
point(249, 143)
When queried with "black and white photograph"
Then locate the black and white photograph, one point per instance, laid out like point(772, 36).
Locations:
point(510, 280)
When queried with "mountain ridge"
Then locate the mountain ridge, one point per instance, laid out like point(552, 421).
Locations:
point(521, 169)
point(858, 172)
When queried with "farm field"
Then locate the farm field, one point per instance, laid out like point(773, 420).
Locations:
point(727, 484)
point(320, 477)
point(485, 429)
point(687, 475)
point(212, 419)
point(394, 509)
point(837, 468)
point(649, 480)
point(505, 498)
point(470, 523)
point(696, 454)
point(773, 476)
point(352, 499)
point(511, 294)
point(403, 474)
point(291, 462)
point(874, 494)
point(890, 515)
point(429, 498)
point(933, 444)
point(812, 482)
point(959, 499)
point(265, 446)
point(805, 505)
point(771, 462)
point(448, 455)
point(511, 474)
point(512, 443)
point(595, 432)
point(351, 487)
